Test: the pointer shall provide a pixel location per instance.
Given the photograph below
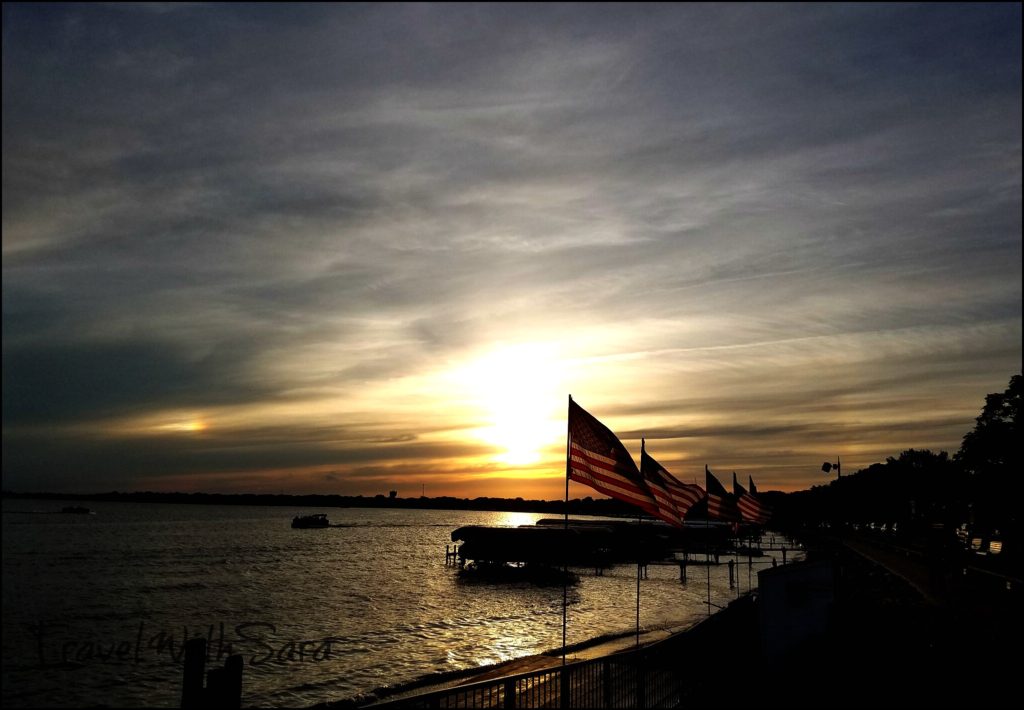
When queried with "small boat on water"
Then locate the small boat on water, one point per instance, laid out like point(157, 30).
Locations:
point(76, 509)
point(317, 520)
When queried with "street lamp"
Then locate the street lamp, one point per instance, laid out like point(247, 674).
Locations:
point(827, 467)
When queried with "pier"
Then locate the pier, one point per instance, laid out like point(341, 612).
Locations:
point(615, 540)
point(601, 544)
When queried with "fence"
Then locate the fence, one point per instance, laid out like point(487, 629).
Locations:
point(659, 675)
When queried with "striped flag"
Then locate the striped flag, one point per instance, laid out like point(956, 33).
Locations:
point(598, 459)
point(657, 483)
point(749, 508)
point(750, 505)
point(683, 496)
point(720, 504)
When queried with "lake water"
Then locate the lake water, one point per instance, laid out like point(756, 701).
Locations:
point(96, 607)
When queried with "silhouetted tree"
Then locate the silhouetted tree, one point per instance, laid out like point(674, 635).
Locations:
point(912, 491)
point(990, 455)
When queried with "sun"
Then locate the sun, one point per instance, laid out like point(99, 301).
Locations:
point(187, 425)
point(518, 387)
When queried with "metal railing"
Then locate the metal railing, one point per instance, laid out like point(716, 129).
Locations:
point(659, 675)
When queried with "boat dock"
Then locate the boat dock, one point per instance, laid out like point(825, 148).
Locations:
point(599, 545)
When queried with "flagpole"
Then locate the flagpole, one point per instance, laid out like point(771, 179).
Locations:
point(736, 539)
point(707, 534)
point(750, 555)
point(638, 521)
point(736, 561)
point(638, 517)
point(565, 534)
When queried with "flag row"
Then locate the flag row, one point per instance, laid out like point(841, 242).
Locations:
point(598, 459)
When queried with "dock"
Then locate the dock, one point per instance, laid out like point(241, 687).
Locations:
point(599, 545)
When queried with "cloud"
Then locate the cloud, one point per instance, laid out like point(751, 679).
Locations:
point(291, 216)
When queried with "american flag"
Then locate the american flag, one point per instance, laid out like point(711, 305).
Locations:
point(598, 459)
point(657, 483)
point(720, 504)
point(751, 508)
point(683, 496)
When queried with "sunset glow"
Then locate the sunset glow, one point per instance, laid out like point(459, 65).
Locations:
point(515, 387)
point(193, 425)
point(355, 249)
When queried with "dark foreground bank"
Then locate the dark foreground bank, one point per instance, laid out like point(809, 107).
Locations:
point(896, 635)
point(899, 635)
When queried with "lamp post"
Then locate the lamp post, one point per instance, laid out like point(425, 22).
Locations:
point(827, 467)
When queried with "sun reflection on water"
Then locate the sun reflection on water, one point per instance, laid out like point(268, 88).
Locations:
point(514, 520)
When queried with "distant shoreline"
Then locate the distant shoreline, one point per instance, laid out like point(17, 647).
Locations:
point(585, 506)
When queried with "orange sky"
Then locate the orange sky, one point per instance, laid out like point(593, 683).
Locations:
point(357, 252)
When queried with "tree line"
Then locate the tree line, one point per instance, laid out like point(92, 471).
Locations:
point(978, 488)
point(577, 506)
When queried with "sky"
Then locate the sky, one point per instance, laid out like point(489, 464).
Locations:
point(347, 248)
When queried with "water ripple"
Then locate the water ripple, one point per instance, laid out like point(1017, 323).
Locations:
point(375, 597)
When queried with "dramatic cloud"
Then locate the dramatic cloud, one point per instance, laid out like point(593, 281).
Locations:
point(359, 247)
